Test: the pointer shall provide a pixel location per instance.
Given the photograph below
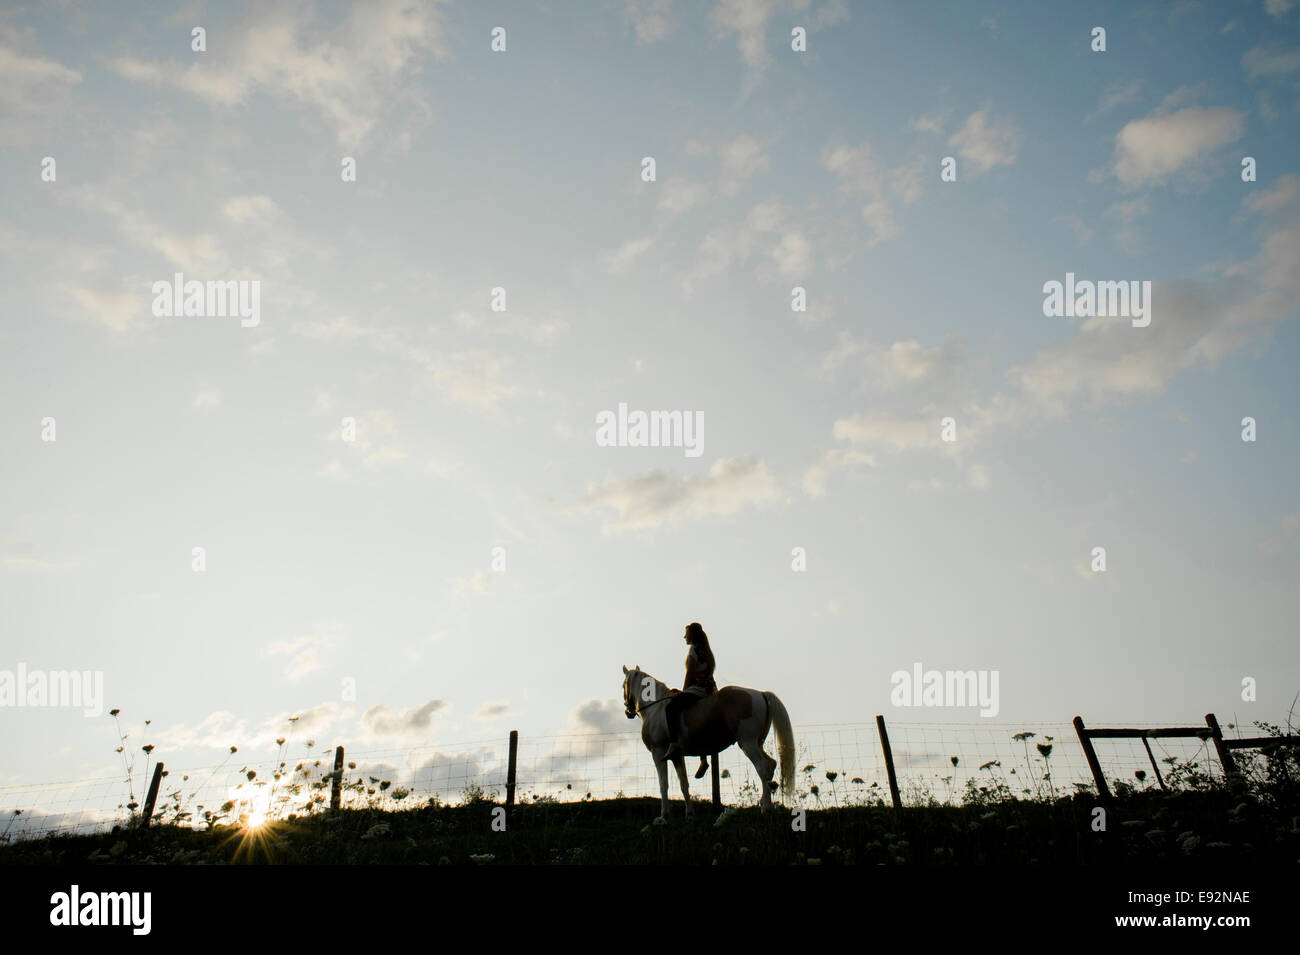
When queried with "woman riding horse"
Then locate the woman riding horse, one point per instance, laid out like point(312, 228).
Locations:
point(697, 685)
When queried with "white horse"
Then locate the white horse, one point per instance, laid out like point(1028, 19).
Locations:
point(734, 714)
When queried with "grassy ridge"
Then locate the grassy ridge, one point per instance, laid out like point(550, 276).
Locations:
point(1142, 827)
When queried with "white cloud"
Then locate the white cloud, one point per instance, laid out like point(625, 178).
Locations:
point(793, 255)
point(1149, 150)
point(742, 158)
point(1278, 196)
point(380, 720)
point(303, 653)
point(678, 196)
point(892, 432)
point(984, 143)
point(902, 362)
point(747, 19)
point(617, 261)
point(353, 75)
point(1272, 59)
point(651, 19)
point(859, 175)
point(257, 210)
point(730, 485)
point(207, 398)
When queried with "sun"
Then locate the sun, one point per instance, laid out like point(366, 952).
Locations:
point(256, 819)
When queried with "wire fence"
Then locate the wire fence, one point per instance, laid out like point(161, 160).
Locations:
point(837, 764)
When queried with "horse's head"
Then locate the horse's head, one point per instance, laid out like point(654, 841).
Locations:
point(632, 681)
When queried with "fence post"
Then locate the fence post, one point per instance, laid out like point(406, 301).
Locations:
point(889, 762)
point(510, 775)
point(717, 785)
point(336, 787)
point(1152, 756)
point(1103, 791)
point(152, 798)
point(1225, 754)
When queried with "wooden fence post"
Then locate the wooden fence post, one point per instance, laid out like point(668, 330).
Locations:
point(717, 784)
point(1152, 756)
point(889, 762)
point(1103, 791)
point(510, 775)
point(152, 798)
point(1225, 754)
point(336, 787)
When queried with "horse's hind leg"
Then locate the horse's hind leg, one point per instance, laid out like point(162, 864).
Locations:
point(680, 764)
point(765, 766)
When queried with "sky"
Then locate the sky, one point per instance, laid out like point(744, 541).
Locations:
point(465, 557)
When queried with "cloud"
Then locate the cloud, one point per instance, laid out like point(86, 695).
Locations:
point(747, 19)
point(304, 654)
point(600, 716)
point(353, 76)
point(1115, 95)
point(902, 362)
point(478, 582)
point(985, 143)
point(1193, 324)
point(492, 711)
point(207, 398)
point(860, 175)
point(381, 721)
point(731, 485)
point(888, 431)
point(1278, 8)
point(255, 210)
point(376, 440)
point(933, 123)
point(1152, 149)
point(1278, 196)
point(742, 158)
point(116, 308)
point(1128, 213)
point(834, 459)
point(734, 243)
point(793, 255)
point(34, 89)
point(679, 196)
point(617, 261)
point(651, 19)
point(1274, 59)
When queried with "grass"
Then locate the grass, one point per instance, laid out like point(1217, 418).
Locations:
point(1142, 826)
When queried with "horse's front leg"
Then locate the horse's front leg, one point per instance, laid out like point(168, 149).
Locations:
point(679, 762)
point(661, 765)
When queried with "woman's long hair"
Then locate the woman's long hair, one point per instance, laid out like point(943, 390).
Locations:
point(700, 641)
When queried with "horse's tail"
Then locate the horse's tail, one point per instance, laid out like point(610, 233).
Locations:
point(784, 740)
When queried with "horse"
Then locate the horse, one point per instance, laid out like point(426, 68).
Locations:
point(734, 714)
